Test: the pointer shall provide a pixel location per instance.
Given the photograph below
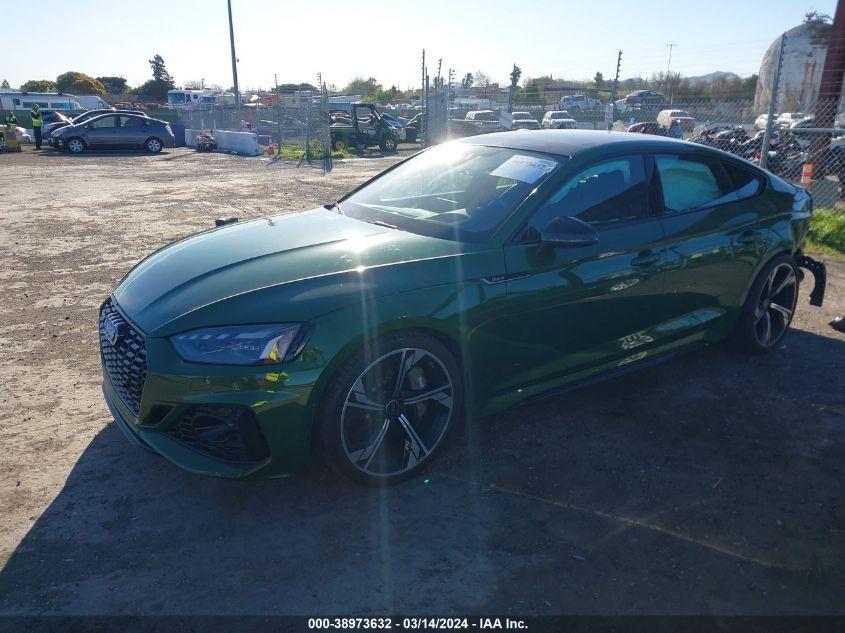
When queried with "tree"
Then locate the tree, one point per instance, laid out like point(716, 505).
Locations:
point(161, 82)
point(65, 80)
point(516, 73)
point(291, 88)
point(466, 82)
point(385, 96)
point(529, 95)
point(113, 85)
point(87, 86)
point(39, 85)
point(159, 71)
point(5, 85)
point(363, 87)
point(599, 78)
point(481, 80)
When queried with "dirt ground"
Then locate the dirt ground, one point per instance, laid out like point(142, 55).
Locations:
point(711, 484)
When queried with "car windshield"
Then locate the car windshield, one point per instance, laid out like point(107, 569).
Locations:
point(455, 191)
point(87, 115)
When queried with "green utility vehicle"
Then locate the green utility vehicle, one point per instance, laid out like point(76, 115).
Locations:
point(361, 127)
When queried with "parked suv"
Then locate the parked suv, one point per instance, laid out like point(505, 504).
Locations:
point(641, 99)
point(559, 120)
point(115, 131)
point(483, 120)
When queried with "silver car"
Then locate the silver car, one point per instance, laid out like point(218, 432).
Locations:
point(115, 131)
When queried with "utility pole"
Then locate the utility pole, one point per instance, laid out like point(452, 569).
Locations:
point(614, 87)
point(668, 66)
point(830, 91)
point(424, 95)
point(770, 120)
point(234, 59)
point(278, 116)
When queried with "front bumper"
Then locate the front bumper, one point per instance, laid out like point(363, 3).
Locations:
point(272, 405)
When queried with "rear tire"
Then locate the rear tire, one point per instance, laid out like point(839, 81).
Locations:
point(388, 409)
point(153, 145)
point(769, 307)
point(75, 145)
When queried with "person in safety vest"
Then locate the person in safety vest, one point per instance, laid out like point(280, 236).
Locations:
point(11, 119)
point(35, 115)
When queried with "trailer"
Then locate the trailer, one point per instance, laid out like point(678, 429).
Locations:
point(51, 101)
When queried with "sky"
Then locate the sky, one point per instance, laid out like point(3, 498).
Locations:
point(342, 40)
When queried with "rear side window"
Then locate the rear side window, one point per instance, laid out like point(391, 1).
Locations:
point(746, 184)
point(690, 183)
point(131, 121)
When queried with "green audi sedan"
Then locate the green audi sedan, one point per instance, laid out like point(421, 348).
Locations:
point(473, 276)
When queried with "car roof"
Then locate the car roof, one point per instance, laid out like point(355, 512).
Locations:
point(123, 113)
point(572, 142)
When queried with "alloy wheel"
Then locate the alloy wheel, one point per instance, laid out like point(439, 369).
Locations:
point(154, 145)
point(76, 146)
point(776, 305)
point(397, 412)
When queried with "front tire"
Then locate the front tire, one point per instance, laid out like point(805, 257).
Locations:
point(75, 145)
point(389, 408)
point(769, 307)
point(388, 144)
point(153, 145)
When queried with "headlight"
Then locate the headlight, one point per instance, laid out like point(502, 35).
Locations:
point(241, 344)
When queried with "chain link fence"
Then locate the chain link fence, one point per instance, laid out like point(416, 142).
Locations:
point(804, 137)
point(297, 129)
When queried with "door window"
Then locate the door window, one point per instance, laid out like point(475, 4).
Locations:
point(746, 183)
point(105, 122)
point(605, 194)
point(691, 183)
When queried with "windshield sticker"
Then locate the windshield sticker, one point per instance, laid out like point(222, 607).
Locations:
point(524, 168)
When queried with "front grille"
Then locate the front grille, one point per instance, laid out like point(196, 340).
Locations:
point(227, 433)
point(125, 360)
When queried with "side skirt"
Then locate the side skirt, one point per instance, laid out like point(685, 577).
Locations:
point(657, 359)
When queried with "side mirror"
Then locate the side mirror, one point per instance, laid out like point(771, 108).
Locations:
point(566, 232)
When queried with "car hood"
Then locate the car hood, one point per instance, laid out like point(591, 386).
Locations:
point(315, 251)
point(69, 127)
